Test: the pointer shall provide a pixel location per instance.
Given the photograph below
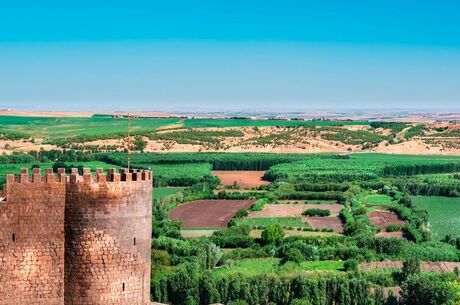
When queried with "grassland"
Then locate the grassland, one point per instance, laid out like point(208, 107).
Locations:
point(262, 222)
point(43, 127)
point(200, 123)
point(377, 200)
point(162, 192)
point(444, 214)
point(257, 266)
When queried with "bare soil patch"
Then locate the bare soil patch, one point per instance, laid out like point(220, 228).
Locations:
point(208, 213)
point(425, 266)
point(245, 179)
point(382, 219)
point(334, 223)
point(293, 210)
point(397, 234)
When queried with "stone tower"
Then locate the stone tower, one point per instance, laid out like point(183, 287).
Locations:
point(108, 238)
point(78, 239)
point(32, 239)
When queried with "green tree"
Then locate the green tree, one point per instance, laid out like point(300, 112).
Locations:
point(411, 265)
point(139, 143)
point(273, 234)
point(351, 265)
point(293, 255)
point(422, 289)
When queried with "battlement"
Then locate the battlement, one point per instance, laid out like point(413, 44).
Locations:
point(112, 176)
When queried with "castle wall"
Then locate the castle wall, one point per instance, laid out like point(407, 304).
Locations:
point(108, 238)
point(32, 240)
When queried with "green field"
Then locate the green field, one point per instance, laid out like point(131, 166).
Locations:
point(162, 192)
point(47, 127)
point(257, 266)
point(444, 214)
point(52, 127)
point(378, 200)
point(185, 174)
point(266, 221)
point(201, 123)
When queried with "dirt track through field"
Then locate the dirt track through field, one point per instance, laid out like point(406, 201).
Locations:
point(425, 266)
point(208, 213)
point(245, 179)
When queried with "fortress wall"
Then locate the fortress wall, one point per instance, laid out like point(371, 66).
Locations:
point(32, 239)
point(108, 238)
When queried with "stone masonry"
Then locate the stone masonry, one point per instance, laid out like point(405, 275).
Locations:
point(76, 239)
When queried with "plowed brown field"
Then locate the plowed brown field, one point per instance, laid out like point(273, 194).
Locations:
point(382, 219)
point(208, 213)
point(320, 223)
point(245, 179)
point(425, 266)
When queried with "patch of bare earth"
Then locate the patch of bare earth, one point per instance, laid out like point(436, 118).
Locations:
point(208, 213)
point(245, 179)
point(320, 223)
point(382, 219)
point(397, 234)
point(293, 210)
point(425, 266)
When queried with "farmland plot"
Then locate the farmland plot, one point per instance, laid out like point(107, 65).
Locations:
point(208, 213)
point(320, 223)
point(382, 219)
point(245, 179)
point(293, 210)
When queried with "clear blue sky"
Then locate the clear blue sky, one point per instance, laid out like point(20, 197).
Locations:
point(229, 54)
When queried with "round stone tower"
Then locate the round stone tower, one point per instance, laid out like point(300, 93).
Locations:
point(32, 239)
point(108, 221)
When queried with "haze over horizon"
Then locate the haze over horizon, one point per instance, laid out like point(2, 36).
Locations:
point(234, 55)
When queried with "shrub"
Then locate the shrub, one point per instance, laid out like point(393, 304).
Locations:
point(316, 212)
point(293, 255)
point(351, 265)
point(392, 227)
point(272, 234)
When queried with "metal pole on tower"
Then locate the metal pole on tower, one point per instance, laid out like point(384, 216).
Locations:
point(129, 141)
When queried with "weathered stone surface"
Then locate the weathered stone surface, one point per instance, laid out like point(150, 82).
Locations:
point(102, 258)
point(32, 241)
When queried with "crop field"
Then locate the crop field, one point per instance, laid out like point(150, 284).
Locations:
point(257, 266)
point(378, 200)
point(382, 219)
point(200, 123)
point(362, 166)
point(162, 192)
point(321, 223)
point(245, 179)
point(302, 233)
point(195, 233)
point(443, 214)
point(262, 222)
point(208, 213)
point(293, 210)
point(185, 174)
point(43, 127)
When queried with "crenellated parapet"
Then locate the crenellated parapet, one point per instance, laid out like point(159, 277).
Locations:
point(36, 177)
point(112, 176)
